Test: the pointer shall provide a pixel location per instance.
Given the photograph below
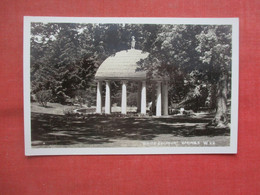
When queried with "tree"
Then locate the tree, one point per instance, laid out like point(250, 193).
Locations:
point(43, 97)
point(215, 51)
point(172, 54)
point(179, 50)
point(197, 91)
point(63, 59)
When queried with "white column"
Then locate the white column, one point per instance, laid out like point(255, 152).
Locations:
point(124, 98)
point(108, 100)
point(139, 96)
point(99, 97)
point(153, 98)
point(159, 99)
point(163, 92)
point(165, 98)
point(143, 98)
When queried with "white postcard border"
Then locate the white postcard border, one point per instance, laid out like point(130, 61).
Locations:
point(232, 149)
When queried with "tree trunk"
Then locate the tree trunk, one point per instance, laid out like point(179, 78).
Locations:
point(220, 119)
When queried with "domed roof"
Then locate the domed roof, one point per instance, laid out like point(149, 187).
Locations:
point(122, 65)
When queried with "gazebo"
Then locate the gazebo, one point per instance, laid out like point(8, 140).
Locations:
point(123, 67)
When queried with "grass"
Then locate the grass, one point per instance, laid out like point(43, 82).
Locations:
point(57, 130)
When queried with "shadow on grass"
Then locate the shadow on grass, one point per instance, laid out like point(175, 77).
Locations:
point(48, 129)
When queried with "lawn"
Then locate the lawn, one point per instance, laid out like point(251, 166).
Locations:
point(50, 128)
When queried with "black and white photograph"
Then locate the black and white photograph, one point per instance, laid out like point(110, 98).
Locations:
point(130, 85)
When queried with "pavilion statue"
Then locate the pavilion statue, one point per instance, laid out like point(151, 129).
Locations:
point(123, 66)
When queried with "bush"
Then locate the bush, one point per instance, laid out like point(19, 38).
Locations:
point(61, 97)
point(70, 112)
point(87, 97)
point(69, 102)
point(132, 99)
point(43, 97)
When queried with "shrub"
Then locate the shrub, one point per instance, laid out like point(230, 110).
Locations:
point(70, 112)
point(43, 97)
point(132, 99)
point(87, 97)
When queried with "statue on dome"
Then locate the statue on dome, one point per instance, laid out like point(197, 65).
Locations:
point(133, 43)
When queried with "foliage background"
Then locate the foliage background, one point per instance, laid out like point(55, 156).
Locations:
point(66, 56)
point(142, 174)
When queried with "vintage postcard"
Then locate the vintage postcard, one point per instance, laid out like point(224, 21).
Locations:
point(130, 85)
